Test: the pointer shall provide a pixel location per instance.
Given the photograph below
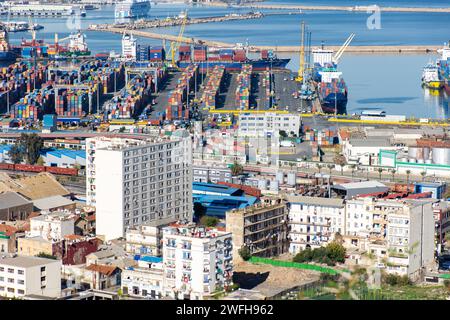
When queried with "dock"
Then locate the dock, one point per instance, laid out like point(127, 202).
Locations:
point(280, 49)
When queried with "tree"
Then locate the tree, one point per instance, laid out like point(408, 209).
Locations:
point(30, 145)
point(353, 167)
point(283, 133)
point(408, 172)
point(380, 171)
point(318, 166)
point(46, 255)
point(245, 253)
point(423, 174)
point(305, 255)
point(122, 129)
point(336, 252)
point(40, 161)
point(236, 169)
point(330, 167)
point(393, 174)
point(340, 160)
point(15, 154)
point(209, 221)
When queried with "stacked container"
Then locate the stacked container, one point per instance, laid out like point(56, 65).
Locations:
point(199, 53)
point(157, 54)
point(212, 88)
point(243, 87)
point(184, 53)
point(239, 55)
point(176, 108)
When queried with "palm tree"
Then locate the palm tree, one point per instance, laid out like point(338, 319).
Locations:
point(423, 174)
point(318, 166)
point(353, 167)
point(330, 167)
point(380, 170)
point(393, 171)
point(408, 172)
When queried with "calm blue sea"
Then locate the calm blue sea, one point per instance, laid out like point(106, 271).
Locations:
point(390, 82)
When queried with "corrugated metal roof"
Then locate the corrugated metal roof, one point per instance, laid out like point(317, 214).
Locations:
point(11, 199)
point(52, 202)
point(212, 187)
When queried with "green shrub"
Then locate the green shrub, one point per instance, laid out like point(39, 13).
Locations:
point(245, 253)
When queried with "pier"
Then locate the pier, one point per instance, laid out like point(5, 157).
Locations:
point(330, 8)
point(176, 21)
point(280, 49)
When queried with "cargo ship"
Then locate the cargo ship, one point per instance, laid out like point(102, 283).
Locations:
point(132, 9)
point(331, 88)
point(77, 46)
point(430, 77)
point(444, 67)
point(6, 52)
point(231, 58)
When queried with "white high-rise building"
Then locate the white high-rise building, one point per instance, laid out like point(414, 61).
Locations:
point(132, 182)
point(197, 261)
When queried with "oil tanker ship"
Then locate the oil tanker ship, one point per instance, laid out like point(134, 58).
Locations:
point(331, 88)
point(232, 58)
point(444, 67)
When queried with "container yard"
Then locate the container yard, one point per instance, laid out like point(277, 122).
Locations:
point(212, 88)
point(243, 88)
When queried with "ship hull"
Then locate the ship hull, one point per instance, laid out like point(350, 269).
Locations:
point(433, 84)
point(7, 56)
point(257, 65)
point(334, 103)
point(447, 87)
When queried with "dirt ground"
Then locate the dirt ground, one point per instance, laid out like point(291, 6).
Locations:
point(268, 279)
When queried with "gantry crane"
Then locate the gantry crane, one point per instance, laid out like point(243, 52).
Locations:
point(175, 44)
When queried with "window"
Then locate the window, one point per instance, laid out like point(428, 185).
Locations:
point(20, 291)
point(21, 281)
point(10, 270)
point(10, 280)
point(11, 290)
point(20, 271)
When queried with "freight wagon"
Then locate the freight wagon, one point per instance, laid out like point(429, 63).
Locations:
point(36, 168)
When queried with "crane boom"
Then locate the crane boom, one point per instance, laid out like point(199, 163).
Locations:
point(174, 45)
point(301, 68)
point(341, 50)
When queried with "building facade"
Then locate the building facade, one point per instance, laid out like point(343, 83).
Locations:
point(262, 228)
point(133, 182)
point(20, 276)
point(313, 221)
point(197, 261)
point(53, 226)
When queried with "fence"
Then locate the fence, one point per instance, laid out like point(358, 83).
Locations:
point(296, 265)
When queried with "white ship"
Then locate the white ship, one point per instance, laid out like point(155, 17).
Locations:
point(430, 76)
point(132, 9)
point(129, 47)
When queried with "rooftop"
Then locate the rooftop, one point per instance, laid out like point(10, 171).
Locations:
point(54, 216)
point(324, 202)
point(10, 199)
point(103, 269)
point(200, 187)
point(25, 261)
point(371, 142)
point(192, 231)
point(360, 185)
point(42, 185)
point(52, 202)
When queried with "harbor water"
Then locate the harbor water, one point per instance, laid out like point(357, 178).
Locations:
point(387, 81)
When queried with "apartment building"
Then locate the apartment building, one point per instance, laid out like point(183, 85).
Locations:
point(399, 232)
point(20, 276)
point(313, 221)
point(211, 174)
point(145, 279)
point(52, 226)
point(261, 125)
point(132, 182)
point(262, 227)
point(147, 239)
point(197, 261)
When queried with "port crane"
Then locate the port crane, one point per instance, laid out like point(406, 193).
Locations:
point(341, 50)
point(301, 68)
point(175, 44)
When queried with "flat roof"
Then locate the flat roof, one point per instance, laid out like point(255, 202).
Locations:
point(52, 202)
point(370, 142)
point(360, 185)
point(325, 202)
point(25, 261)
